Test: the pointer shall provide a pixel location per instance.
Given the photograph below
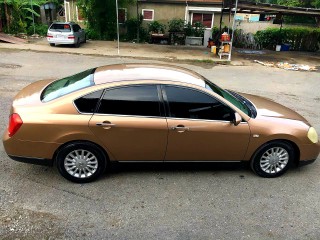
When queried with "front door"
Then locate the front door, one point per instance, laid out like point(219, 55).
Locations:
point(201, 128)
point(130, 124)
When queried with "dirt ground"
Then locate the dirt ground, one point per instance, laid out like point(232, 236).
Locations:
point(197, 55)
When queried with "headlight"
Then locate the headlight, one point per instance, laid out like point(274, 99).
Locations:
point(312, 135)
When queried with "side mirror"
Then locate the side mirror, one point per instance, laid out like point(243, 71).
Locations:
point(237, 119)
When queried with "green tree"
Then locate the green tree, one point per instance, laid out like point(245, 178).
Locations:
point(101, 17)
point(18, 13)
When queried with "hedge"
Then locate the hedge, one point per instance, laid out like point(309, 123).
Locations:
point(299, 38)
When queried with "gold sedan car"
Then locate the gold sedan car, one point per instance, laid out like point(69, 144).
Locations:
point(142, 112)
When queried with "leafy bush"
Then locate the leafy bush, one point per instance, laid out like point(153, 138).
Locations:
point(132, 28)
point(176, 25)
point(156, 27)
point(40, 29)
point(215, 34)
point(197, 30)
point(92, 34)
point(300, 38)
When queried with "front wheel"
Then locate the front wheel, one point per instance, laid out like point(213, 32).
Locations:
point(273, 159)
point(81, 162)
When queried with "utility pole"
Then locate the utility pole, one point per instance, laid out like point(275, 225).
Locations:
point(34, 27)
point(118, 27)
point(233, 28)
point(138, 23)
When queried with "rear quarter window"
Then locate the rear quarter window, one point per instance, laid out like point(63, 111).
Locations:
point(57, 27)
point(88, 103)
point(68, 85)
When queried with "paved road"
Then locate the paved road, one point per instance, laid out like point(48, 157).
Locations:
point(156, 201)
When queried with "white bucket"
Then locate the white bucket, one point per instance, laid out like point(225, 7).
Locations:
point(278, 48)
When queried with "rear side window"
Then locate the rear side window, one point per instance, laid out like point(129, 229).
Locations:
point(88, 103)
point(68, 85)
point(58, 27)
point(132, 100)
point(76, 28)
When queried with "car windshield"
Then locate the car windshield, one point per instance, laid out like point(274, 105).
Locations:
point(58, 27)
point(68, 85)
point(226, 95)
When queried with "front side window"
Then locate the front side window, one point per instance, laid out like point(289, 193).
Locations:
point(68, 85)
point(229, 97)
point(131, 100)
point(88, 103)
point(193, 104)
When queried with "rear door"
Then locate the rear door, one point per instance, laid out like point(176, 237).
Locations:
point(131, 123)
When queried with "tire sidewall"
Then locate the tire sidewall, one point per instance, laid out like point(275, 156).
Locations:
point(102, 162)
point(255, 162)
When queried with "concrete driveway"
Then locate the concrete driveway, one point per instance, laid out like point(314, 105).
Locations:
point(160, 201)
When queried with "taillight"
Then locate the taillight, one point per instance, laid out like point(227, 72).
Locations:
point(15, 123)
point(49, 36)
point(71, 37)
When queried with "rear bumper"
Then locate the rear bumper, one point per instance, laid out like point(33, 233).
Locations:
point(28, 150)
point(61, 41)
point(37, 161)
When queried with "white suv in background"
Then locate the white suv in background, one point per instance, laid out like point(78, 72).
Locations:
point(66, 33)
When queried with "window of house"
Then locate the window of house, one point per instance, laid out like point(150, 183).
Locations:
point(204, 18)
point(193, 104)
point(80, 14)
point(131, 100)
point(122, 15)
point(148, 14)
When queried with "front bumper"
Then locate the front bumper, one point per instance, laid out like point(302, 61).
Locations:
point(309, 151)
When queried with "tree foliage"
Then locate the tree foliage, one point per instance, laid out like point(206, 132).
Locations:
point(18, 13)
point(294, 3)
point(101, 17)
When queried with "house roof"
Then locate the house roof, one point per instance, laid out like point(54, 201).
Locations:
point(247, 6)
point(198, 2)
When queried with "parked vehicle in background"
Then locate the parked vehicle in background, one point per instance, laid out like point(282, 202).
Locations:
point(66, 33)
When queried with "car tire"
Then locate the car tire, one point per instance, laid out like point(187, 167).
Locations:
point(52, 44)
point(81, 162)
point(76, 45)
point(273, 159)
point(85, 39)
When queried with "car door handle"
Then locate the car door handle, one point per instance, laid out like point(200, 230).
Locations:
point(106, 124)
point(180, 128)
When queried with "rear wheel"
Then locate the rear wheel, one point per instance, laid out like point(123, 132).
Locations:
point(81, 162)
point(52, 44)
point(273, 159)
